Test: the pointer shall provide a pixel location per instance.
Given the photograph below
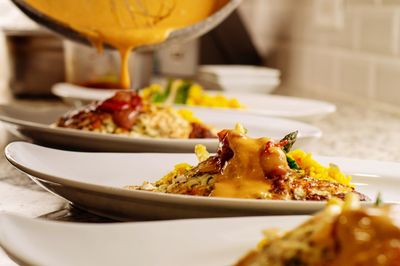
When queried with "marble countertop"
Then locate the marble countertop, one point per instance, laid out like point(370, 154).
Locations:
point(357, 130)
point(360, 128)
point(360, 132)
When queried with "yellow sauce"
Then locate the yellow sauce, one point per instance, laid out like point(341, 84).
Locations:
point(246, 174)
point(370, 237)
point(127, 24)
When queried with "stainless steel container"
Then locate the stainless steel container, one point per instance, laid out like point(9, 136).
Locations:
point(36, 62)
point(85, 65)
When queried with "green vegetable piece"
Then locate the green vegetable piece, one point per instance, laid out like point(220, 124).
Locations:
point(378, 200)
point(292, 163)
point(183, 93)
point(168, 88)
point(160, 97)
point(291, 139)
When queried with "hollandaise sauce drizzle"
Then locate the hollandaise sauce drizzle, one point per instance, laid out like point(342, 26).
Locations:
point(127, 24)
point(246, 174)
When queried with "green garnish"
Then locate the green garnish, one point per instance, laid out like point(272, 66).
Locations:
point(291, 139)
point(162, 96)
point(182, 93)
point(292, 163)
point(378, 200)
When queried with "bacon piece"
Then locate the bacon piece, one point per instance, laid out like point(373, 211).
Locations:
point(124, 106)
point(199, 131)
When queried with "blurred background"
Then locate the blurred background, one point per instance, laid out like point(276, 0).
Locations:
point(335, 48)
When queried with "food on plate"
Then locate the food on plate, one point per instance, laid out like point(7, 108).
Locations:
point(186, 92)
point(127, 114)
point(342, 234)
point(262, 168)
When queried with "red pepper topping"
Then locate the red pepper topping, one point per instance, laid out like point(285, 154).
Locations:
point(136, 101)
point(120, 101)
point(222, 134)
point(225, 153)
point(123, 96)
point(268, 145)
point(111, 105)
point(282, 143)
point(125, 118)
point(124, 106)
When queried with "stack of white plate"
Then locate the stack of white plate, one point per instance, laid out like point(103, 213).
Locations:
point(239, 78)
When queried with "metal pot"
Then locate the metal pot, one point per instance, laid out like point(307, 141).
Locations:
point(36, 61)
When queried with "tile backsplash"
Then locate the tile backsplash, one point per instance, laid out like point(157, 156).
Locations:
point(356, 53)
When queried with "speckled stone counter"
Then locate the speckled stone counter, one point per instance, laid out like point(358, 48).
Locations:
point(356, 130)
point(361, 132)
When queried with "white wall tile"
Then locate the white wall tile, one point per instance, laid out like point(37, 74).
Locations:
point(300, 24)
point(378, 31)
point(298, 71)
point(363, 2)
point(361, 59)
point(312, 68)
point(345, 37)
point(355, 75)
point(387, 87)
point(322, 70)
point(390, 2)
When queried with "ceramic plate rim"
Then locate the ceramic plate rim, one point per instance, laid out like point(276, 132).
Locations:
point(133, 194)
point(61, 226)
point(310, 131)
point(154, 196)
point(329, 108)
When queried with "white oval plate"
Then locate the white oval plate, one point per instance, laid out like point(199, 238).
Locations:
point(195, 242)
point(95, 181)
point(34, 124)
point(71, 93)
point(283, 106)
point(270, 105)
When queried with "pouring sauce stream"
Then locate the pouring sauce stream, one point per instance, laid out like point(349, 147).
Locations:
point(127, 24)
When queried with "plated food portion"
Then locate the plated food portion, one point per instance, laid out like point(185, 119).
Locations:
point(259, 104)
point(188, 93)
point(260, 168)
point(126, 113)
point(359, 236)
point(37, 124)
point(342, 234)
point(99, 187)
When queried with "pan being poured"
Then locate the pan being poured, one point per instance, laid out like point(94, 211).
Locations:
point(128, 24)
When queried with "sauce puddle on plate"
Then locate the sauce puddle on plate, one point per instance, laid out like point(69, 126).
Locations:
point(127, 24)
